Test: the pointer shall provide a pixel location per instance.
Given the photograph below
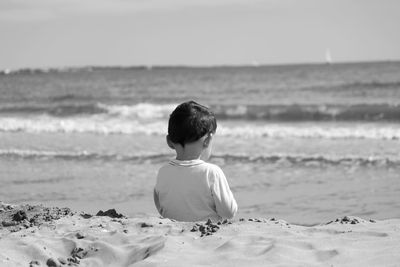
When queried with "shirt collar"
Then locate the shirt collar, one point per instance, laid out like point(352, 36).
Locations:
point(186, 163)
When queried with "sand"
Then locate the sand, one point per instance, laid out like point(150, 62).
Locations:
point(41, 236)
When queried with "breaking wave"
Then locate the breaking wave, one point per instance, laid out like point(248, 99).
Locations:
point(81, 155)
point(306, 160)
point(105, 125)
point(148, 111)
point(56, 109)
point(361, 112)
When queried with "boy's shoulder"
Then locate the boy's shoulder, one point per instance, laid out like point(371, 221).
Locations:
point(213, 166)
point(214, 170)
point(197, 164)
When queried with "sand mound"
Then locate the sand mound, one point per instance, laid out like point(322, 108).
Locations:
point(70, 239)
point(14, 218)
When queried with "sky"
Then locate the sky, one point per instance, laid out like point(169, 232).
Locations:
point(60, 33)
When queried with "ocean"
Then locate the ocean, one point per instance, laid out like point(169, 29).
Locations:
point(302, 143)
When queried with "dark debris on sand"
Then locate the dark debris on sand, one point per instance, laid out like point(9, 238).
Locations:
point(350, 220)
point(17, 217)
point(145, 225)
point(112, 213)
point(209, 227)
point(74, 259)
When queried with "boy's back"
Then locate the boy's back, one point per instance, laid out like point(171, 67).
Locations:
point(188, 188)
point(193, 190)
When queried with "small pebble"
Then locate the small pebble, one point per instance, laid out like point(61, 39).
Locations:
point(52, 263)
point(73, 260)
point(20, 216)
point(7, 224)
point(78, 253)
point(34, 263)
point(143, 225)
point(86, 216)
point(80, 235)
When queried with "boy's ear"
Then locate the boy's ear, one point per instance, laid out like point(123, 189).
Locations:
point(207, 140)
point(169, 142)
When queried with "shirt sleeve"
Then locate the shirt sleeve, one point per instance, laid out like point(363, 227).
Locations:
point(156, 196)
point(157, 201)
point(225, 203)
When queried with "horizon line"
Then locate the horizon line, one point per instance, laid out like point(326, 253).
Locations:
point(189, 66)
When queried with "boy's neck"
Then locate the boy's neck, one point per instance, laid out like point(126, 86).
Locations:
point(187, 154)
point(191, 151)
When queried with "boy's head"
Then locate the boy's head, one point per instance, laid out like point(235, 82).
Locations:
point(189, 122)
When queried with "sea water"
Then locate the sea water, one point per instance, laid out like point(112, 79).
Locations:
point(303, 143)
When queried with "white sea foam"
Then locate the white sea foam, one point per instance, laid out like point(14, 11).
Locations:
point(140, 111)
point(105, 124)
point(302, 159)
point(328, 131)
point(93, 124)
point(75, 155)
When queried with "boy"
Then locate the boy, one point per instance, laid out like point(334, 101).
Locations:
point(188, 188)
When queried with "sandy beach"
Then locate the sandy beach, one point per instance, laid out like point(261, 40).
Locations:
point(296, 117)
point(42, 236)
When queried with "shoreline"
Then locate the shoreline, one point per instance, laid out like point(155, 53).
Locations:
point(34, 235)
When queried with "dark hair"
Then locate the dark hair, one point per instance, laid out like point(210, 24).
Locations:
point(189, 122)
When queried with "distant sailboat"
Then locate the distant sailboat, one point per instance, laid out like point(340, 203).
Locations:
point(255, 63)
point(6, 71)
point(328, 57)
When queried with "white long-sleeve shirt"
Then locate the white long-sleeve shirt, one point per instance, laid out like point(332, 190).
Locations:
point(193, 190)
